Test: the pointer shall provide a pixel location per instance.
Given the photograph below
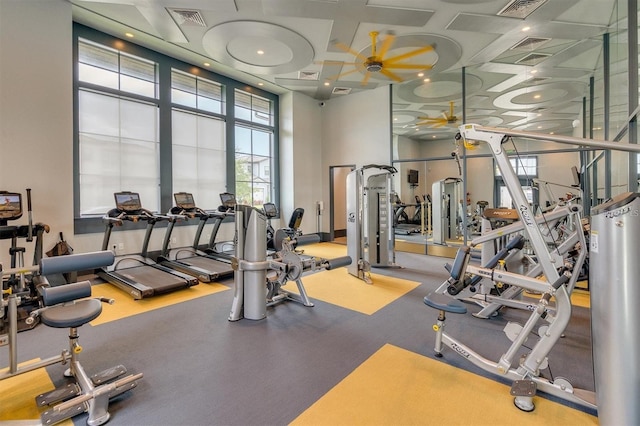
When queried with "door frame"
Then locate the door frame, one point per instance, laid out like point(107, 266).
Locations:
point(351, 167)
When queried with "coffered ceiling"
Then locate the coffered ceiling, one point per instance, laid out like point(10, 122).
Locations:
point(527, 62)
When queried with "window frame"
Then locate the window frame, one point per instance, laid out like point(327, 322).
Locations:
point(520, 169)
point(165, 65)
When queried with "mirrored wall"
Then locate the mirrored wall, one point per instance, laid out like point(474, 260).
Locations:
point(546, 85)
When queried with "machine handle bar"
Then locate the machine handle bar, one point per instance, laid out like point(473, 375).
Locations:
point(338, 262)
point(306, 239)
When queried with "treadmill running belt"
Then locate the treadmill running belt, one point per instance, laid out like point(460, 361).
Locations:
point(160, 281)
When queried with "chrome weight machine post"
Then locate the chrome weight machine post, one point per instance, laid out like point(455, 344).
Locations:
point(250, 265)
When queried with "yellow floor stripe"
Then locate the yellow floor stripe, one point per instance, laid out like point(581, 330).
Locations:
point(18, 395)
point(578, 298)
point(398, 387)
point(340, 288)
point(325, 250)
point(125, 306)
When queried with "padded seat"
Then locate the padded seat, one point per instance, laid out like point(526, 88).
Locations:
point(72, 315)
point(444, 303)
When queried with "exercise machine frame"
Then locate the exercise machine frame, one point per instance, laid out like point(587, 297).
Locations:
point(526, 375)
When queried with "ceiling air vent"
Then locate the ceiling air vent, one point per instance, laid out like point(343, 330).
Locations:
point(307, 75)
point(533, 59)
point(520, 8)
point(341, 90)
point(189, 16)
point(530, 43)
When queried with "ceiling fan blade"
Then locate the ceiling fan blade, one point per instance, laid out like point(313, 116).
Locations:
point(342, 74)
point(386, 44)
point(407, 66)
point(409, 54)
point(451, 110)
point(347, 49)
point(365, 80)
point(434, 122)
point(391, 75)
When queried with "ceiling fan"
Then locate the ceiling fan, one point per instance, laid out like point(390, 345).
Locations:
point(450, 118)
point(377, 62)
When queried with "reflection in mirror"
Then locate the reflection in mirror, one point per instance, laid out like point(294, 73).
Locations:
point(545, 85)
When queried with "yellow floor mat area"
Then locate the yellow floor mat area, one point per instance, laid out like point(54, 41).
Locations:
point(18, 396)
point(324, 250)
point(578, 298)
point(340, 288)
point(398, 387)
point(126, 306)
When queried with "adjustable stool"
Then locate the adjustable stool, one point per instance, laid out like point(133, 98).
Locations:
point(89, 394)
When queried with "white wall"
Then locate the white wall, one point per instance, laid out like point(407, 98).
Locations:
point(356, 130)
point(36, 130)
point(305, 186)
point(36, 115)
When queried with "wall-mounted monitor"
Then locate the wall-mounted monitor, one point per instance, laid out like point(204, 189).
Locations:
point(413, 177)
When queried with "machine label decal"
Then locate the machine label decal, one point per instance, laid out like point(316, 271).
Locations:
point(351, 217)
point(617, 213)
point(460, 350)
point(593, 242)
point(526, 217)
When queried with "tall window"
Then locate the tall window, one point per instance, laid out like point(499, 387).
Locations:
point(526, 168)
point(152, 124)
point(198, 138)
point(253, 149)
point(117, 127)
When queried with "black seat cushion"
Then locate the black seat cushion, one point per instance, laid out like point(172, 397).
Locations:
point(73, 314)
point(444, 303)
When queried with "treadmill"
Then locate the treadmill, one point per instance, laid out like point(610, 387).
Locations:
point(138, 275)
point(223, 251)
point(191, 260)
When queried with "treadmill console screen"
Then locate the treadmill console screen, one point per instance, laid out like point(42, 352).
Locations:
point(10, 205)
point(228, 200)
point(270, 210)
point(127, 201)
point(184, 200)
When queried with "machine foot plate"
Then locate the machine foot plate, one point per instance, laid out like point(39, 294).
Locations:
point(52, 416)
point(108, 375)
point(59, 394)
point(523, 388)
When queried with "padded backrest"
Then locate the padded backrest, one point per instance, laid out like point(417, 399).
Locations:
point(296, 218)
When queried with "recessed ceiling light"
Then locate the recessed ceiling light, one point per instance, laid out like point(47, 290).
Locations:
point(207, 64)
point(420, 74)
point(395, 118)
point(534, 71)
point(426, 80)
point(261, 84)
point(260, 52)
point(526, 28)
point(128, 35)
point(434, 136)
point(536, 96)
point(326, 83)
point(539, 127)
point(552, 133)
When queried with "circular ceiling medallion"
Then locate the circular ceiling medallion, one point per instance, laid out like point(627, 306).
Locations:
point(445, 54)
point(545, 125)
point(258, 47)
point(550, 94)
point(440, 88)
